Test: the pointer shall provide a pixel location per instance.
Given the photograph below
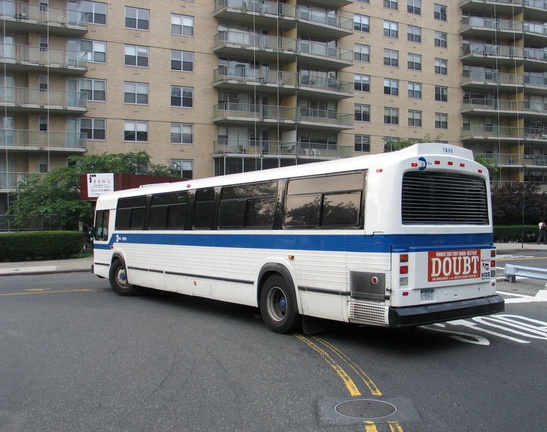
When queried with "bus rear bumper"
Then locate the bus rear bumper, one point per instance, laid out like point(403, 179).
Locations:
point(428, 314)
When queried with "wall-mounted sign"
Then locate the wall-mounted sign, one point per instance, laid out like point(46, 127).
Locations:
point(99, 184)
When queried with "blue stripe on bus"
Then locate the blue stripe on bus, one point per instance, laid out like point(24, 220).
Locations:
point(323, 242)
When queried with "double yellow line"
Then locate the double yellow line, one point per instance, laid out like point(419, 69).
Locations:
point(319, 347)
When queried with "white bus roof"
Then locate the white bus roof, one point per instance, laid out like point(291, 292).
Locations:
point(318, 168)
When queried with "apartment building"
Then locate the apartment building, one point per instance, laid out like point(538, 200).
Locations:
point(212, 87)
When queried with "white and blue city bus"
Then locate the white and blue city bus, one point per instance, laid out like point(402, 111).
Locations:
point(395, 239)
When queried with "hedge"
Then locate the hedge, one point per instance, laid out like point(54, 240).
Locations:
point(513, 233)
point(34, 245)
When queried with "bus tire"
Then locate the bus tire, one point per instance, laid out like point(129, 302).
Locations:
point(118, 279)
point(278, 306)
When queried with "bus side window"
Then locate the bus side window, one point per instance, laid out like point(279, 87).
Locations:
point(131, 213)
point(204, 208)
point(101, 225)
point(326, 202)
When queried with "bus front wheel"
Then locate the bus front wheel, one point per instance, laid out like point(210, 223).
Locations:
point(278, 306)
point(118, 279)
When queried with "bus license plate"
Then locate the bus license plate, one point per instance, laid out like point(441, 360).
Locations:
point(427, 294)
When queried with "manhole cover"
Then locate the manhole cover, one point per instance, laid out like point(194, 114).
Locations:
point(365, 408)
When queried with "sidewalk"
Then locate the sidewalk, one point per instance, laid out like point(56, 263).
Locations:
point(84, 264)
point(46, 267)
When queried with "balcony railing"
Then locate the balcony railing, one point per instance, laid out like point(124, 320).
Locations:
point(288, 11)
point(17, 139)
point(279, 148)
point(492, 24)
point(502, 78)
point(280, 78)
point(25, 55)
point(538, 4)
point(42, 14)
point(492, 131)
point(504, 105)
point(282, 44)
point(265, 113)
point(521, 160)
point(27, 98)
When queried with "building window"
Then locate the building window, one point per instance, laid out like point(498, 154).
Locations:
point(182, 133)
point(94, 89)
point(414, 90)
point(136, 93)
point(391, 115)
point(361, 53)
point(135, 131)
point(93, 128)
point(391, 57)
point(391, 87)
point(182, 97)
point(414, 7)
point(362, 112)
point(94, 12)
point(43, 123)
point(441, 39)
point(136, 18)
point(183, 167)
point(362, 143)
point(361, 23)
point(361, 82)
point(415, 61)
point(414, 118)
point(414, 34)
point(96, 50)
point(182, 25)
point(182, 61)
point(136, 56)
point(43, 43)
point(441, 93)
point(441, 121)
point(43, 83)
point(391, 4)
point(441, 66)
point(44, 5)
point(391, 29)
point(439, 12)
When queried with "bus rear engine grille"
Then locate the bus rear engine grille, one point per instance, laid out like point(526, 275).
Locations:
point(434, 198)
point(368, 313)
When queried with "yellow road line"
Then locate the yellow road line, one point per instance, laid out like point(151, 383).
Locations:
point(370, 426)
point(36, 291)
point(395, 426)
point(348, 382)
point(374, 390)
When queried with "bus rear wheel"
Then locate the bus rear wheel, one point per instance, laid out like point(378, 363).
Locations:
point(278, 306)
point(118, 279)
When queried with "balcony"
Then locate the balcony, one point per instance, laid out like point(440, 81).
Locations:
point(306, 150)
point(24, 99)
point(272, 81)
point(504, 107)
point(269, 115)
point(265, 14)
point(481, 79)
point(492, 133)
point(488, 6)
point(32, 58)
point(35, 18)
point(490, 28)
point(271, 48)
point(17, 140)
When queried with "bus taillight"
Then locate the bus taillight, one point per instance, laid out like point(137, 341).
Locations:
point(403, 269)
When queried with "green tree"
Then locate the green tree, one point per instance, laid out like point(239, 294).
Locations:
point(394, 144)
point(512, 202)
point(56, 195)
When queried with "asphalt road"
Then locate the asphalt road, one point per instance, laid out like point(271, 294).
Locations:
point(74, 356)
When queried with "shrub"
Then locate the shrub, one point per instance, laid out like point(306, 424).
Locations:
point(513, 233)
point(34, 245)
